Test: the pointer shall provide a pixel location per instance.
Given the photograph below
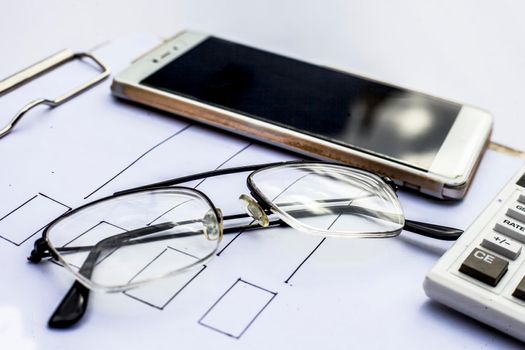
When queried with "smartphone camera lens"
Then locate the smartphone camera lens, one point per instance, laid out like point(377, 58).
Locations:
point(155, 60)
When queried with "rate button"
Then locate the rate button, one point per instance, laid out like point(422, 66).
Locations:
point(512, 228)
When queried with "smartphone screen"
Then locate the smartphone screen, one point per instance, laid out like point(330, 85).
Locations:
point(404, 126)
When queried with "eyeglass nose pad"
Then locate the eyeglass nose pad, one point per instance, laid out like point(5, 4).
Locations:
point(254, 210)
point(213, 230)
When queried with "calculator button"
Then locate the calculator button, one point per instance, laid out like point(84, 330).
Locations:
point(517, 211)
point(502, 245)
point(484, 267)
point(511, 227)
point(521, 198)
point(520, 290)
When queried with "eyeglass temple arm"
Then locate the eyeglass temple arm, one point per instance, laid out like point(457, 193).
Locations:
point(422, 228)
point(74, 304)
point(444, 233)
point(426, 229)
point(199, 176)
point(219, 172)
point(440, 232)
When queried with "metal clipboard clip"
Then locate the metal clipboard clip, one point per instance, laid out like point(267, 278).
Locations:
point(24, 76)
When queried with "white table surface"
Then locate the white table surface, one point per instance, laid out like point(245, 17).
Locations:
point(469, 51)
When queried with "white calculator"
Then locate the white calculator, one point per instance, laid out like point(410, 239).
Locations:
point(483, 274)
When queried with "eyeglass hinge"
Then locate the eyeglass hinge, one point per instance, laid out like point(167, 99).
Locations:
point(40, 250)
point(260, 201)
point(391, 183)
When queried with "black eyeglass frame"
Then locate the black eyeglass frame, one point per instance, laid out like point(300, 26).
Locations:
point(74, 304)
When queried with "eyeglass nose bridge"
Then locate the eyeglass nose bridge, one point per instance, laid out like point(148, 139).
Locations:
point(254, 210)
point(212, 231)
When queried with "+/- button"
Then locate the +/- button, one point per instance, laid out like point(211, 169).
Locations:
point(484, 267)
point(502, 245)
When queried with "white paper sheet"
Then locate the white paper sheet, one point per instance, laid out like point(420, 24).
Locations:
point(274, 288)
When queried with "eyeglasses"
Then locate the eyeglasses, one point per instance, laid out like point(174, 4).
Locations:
point(106, 242)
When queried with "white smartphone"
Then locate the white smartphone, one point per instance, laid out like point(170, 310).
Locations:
point(422, 142)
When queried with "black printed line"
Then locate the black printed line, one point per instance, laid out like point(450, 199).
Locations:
point(197, 185)
point(183, 252)
point(116, 226)
point(217, 330)
point(20, 206)
point(158, 256)
point(231, 241)
point(41, 228)
point(184, 286)
point(308, 257)
point(226, 161)
point(313, 251)
point(25, 240)
point(167, 211)
point(256, 286)
point(338, 216)
point(10, 241)
point(173, 296)
point(139, 158)
point(200, 321)
point(92, 228)
point(54, 200)
point(216, 302)
point(83, 233)
point(257, 315)
point(147, 265)
point(141, 300)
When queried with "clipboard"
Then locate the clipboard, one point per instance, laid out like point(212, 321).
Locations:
point(42, 67)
